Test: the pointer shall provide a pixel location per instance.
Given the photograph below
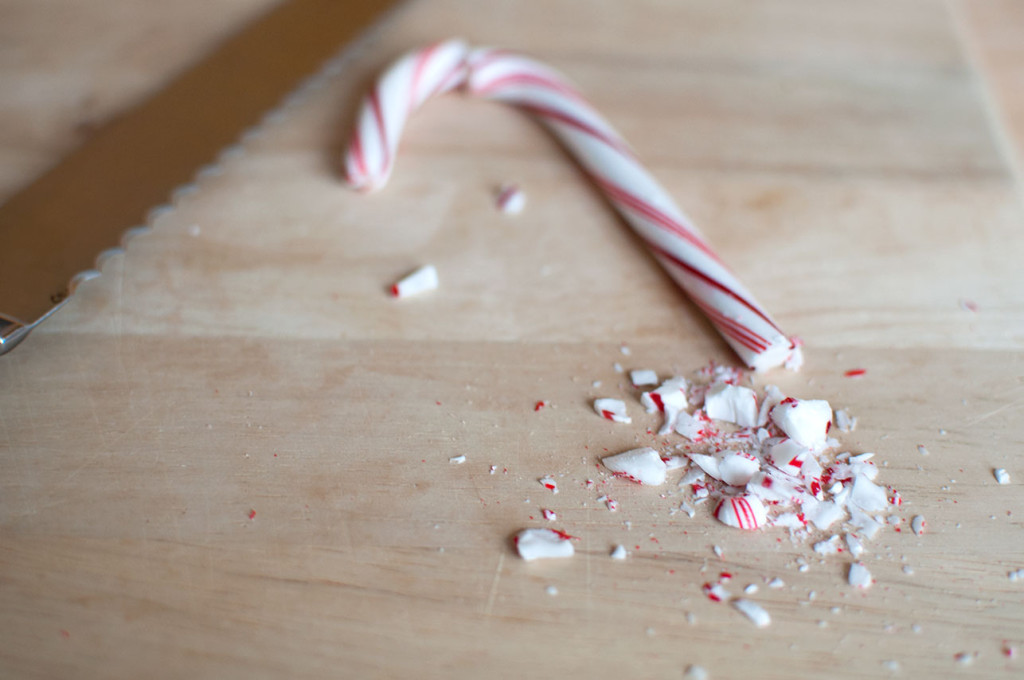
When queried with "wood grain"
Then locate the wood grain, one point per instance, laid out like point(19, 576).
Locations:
point(59, 84)
point(244, 356)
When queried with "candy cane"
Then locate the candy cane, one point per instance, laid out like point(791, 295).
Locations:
point(539, 90)
point(403, 88)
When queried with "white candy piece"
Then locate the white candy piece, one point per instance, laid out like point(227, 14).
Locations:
point(753, 611)
point(420, 281)
point(695, 673)
point(743, 512)
point(643, 376)
point(1001, 475)
point(770, 398)
point(822, 514)
point(674, 462)
point(773, 486)
point(917, 525)
point(788, 520)
point(854, 545)
point(457, 460)
point(844, 421)
point(510, 199)
point(643, 466)
point(806, 421)
point(535, 544)
point(827, 547)
point(867, 495)
point(789, 456)
point(612, 409)
point(690, 426)
point(619, 553)
point(732, 404)
point(859, 576)
point(867, 525)
point(670, 398)
point(736, 468)
point(732, 467)
point(549, 483)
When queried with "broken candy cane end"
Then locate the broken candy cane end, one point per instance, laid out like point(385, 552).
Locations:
point(783, 351)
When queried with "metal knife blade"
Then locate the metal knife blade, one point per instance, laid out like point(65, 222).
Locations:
point(53, 230)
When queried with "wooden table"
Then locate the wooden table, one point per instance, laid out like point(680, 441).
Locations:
point(228, 456)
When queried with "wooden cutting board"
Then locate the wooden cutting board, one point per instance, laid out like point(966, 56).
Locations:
point(228, 456)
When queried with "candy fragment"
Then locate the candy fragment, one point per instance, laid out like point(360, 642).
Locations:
point(854, 545)
point(1001, 475)
point(753, 611)
point(822, 514)
point(644, 376)
point(619, 552)
point(806, 421)
point(867, 495)
point(643, 466)
point(736, 468)
point(510, 199)
point(742, 512)
point(694, 672)
point(670, 398)
point(917, 525)
point(694, 427)
point(844, 421)
point(535, 544)
point(420, 281)
point(789, 456)
point(549, 483)
point(457, 460)
point(827, 547)
point(612, 409)
point(859, 576)
point(732, 404)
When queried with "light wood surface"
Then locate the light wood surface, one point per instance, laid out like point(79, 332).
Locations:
point(60, 83)
point(845, 158)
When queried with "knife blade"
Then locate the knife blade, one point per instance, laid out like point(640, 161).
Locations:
point(52, 231)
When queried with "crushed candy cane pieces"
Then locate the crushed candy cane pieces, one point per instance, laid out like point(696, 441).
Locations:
point(859, 576)
point(549, 483)
point(612, 409)
point(510, 199)
point(457, 460)
point(1001, 475)
point(694, 672)
point(844, 421)
point(420, 281)
point(854, 546)
point(743, 512)
point(535, 544)
point(806, 421)
point(619, 553)
point(917, 525)
point(643, 466)
point(644, 376)
point(732, 404)
point(753, 611)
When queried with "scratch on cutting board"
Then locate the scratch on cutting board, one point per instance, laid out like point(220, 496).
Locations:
point(494, 586)
point(994, 412)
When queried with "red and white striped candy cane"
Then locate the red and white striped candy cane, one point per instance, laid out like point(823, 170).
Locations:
point(404, 87)
point(537, 89)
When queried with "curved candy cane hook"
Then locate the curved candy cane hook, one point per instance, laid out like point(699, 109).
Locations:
point(607, 159)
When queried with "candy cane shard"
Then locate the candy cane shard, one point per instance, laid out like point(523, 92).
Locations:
point(405, 86)
point(605, 156)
